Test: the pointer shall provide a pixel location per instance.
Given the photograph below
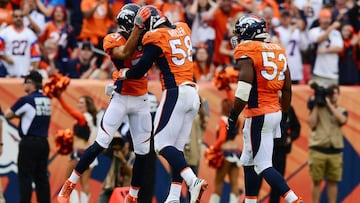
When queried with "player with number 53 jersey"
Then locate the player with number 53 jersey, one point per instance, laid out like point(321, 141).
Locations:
point(270, 63)
point(263, 74)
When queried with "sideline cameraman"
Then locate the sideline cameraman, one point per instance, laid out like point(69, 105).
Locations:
point(326, 143)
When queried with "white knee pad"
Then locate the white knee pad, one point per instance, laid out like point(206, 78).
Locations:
point(103, 139)
point(142, 148)
point(141, 137)
point(94, 163)
point(260, 167)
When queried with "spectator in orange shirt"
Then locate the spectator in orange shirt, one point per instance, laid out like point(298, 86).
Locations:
point(97, 22)
point(97, 18)
point(226, 48)
point(59, 30)
point(5, 17)
point(221, 23)
point(203, 66)
point(173, 9)
point(348, 73)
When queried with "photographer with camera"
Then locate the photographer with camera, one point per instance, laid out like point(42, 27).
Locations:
point(326, 140)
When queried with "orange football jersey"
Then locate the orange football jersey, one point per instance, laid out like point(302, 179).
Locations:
point(270, 63)
point(177, 51)
point(133, 87)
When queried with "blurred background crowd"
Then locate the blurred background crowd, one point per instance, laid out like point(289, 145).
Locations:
point(67, 35)
point(321, 37)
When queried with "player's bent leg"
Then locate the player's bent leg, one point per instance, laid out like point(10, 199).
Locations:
point(176, 160)
point(140, 127)
point(141, 133)
point(146, 192)
point(276, 181)
point(252, 183)
point(86, 159)
point(111, 120)
point(138, 175)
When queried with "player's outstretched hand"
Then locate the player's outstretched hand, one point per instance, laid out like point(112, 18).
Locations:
point(142, 15)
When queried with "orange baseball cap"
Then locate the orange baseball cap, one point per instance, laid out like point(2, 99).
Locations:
point(325, 12)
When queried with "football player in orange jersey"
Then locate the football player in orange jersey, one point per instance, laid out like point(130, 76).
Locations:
point(169, 45)
point(263, 73)
point(129, 98)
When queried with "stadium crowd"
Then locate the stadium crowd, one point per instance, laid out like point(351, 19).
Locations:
point(68, 35)
point(321, 37)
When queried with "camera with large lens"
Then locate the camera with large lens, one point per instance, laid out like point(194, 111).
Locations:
point(321, 93)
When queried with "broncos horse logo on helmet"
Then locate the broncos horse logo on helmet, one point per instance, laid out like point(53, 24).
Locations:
point(250, 27)
point(156, 18)
point(125, 18)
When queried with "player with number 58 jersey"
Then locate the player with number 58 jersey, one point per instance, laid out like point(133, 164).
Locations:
point(169, 46)
point(175, 51)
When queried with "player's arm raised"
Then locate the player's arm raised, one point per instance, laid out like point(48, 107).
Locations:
point(126, 51)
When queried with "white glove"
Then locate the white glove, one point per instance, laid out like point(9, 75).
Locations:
point(122, 73)
point(141, 17)
point(109, 89)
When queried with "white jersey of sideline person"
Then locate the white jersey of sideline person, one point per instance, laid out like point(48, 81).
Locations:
point(22, 47)
point(327, 64)
point(293, 40)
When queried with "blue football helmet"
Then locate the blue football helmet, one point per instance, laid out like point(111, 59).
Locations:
point(156, 18)
point(125, 18)
point(249, 27)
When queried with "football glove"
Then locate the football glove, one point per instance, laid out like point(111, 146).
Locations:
point(142, 15)
point(109, 89)
point(122, 73)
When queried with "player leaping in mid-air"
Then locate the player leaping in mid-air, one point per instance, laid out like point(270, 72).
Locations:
point(169, 46)
point(129, 98)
